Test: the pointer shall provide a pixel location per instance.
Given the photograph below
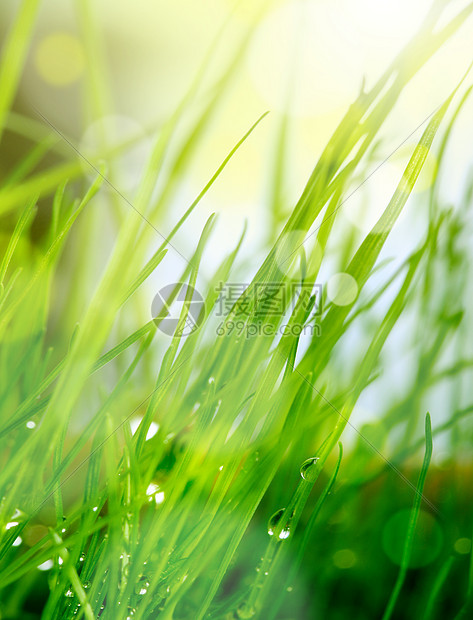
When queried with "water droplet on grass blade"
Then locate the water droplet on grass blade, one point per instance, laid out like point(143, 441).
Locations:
point(142, 586)
point(274, 521)
point(18, 515)
point(245, 611)
point(309, 469)
point(164, 590)
point(69, 593)
point(152, 489)
point(8, 526)
point(273, 525)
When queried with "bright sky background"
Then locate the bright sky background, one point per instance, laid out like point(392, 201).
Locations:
point(307, 58)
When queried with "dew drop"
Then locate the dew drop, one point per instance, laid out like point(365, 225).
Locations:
point(273, 524)
point(152, 489)
point(164, 590)
point(274, 521)
point(8, 526)
point(17, 542)
point(82, 557)
point(245, 611)
point(18, 515)
point(46, 565)
point(86, 585)
point(142, 586)
point(309, 469)
point(31, 424)
point(69, 593)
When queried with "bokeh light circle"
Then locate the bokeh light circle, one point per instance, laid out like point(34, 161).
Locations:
point(342, 289)
point(60, 59)
point(462, 546)
point(427, 543)
point(344, 558)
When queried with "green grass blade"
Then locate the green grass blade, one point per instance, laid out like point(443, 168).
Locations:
point(406, 555)
point(13, 56)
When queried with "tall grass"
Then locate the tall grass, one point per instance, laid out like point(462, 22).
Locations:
point(236, 506)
